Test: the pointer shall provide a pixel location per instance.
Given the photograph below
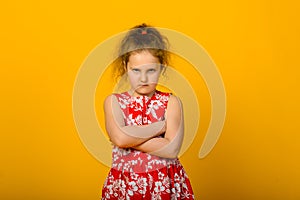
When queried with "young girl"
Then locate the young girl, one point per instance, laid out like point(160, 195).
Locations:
point(145, 125)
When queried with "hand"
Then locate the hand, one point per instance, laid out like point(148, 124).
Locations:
point(164, 128)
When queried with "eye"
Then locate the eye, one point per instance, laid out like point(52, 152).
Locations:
point(135, 70)
point(152, 70)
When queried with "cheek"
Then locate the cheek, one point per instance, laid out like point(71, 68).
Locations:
point(133, 78)
point(154, 77)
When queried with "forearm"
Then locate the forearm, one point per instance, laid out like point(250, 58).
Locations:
point(129, 136)
point(170, 145)
point(161, 147)
point(144, 131)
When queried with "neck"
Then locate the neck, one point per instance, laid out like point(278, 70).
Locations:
point(135, 94)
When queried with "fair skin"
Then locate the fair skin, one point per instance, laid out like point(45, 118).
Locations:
point(143, 70)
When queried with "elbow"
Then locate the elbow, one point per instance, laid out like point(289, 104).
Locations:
point(173, 154)
point(169, 156)
point(120, 142)
point(122, 145)
point(172, 149)
point(117, 139)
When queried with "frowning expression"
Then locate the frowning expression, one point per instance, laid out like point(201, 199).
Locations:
point(143, 71)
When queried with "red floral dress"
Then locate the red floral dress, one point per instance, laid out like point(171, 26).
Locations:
point(138, 175)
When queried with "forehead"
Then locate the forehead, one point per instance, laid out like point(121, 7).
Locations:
point(142, 58)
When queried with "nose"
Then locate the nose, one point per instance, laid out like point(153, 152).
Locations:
point(144, 77)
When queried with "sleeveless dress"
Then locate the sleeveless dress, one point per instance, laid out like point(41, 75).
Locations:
point(138, 175)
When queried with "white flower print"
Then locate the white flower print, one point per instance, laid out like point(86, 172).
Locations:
point(132, 188)
point(176, 190)
point(130, 120)
point(107, 195)
point(140, 160)
point(160, 175)
point(176, 177)
point(153, 107)
point(185, 194)
point(138, 120)
point(110, 187)
point(154, 178)
point(173, 196)
point(115, 187)
point(139, 101)
point(155, 196)
point(133, 162)
point(134, 176)
point(153, 112)
point(136, 153)
point(142, 184)
point(159, 186)
point(166, 182)
point(184, 185)
point(150, 180)
point(123, 103)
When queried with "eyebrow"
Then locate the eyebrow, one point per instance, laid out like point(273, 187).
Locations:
point(133, 67)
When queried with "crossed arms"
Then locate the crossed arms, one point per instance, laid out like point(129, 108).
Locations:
point(144, 137)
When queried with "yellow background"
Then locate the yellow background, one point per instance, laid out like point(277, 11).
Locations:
point(255, 45)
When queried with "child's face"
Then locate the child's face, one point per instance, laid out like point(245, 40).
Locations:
point(143, 71)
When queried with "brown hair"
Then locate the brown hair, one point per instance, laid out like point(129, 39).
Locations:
point(141, 38)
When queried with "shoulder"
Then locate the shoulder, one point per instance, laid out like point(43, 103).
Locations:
point(111, 99)
point(117, 99)
point(174, 101)
point(108, 101)
point(174, 108)
point(116, 96)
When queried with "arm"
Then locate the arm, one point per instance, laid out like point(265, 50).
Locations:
point(169, 146)
point(127, 136)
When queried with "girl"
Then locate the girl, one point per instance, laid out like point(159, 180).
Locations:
point(145, 125)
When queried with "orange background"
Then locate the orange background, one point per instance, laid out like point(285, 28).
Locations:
point(255, 45)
